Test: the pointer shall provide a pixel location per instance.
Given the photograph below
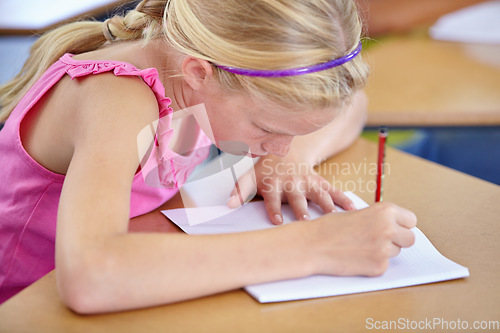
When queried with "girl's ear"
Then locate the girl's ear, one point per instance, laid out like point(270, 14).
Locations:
point(196, 72)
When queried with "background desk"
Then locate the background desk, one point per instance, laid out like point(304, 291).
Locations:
point(458, 213)
point(21, 22)
point(416, 81)
point(447, 95)
point(36, 16)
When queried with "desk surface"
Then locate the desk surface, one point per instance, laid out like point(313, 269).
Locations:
point(416, 81)
point(29, 16)
point(458, 213)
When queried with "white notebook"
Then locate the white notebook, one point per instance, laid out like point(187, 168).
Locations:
point(419, 264)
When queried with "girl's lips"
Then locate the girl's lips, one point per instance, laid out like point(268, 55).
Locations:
point(255, 155)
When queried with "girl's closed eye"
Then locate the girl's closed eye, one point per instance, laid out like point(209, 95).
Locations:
point(262, 130)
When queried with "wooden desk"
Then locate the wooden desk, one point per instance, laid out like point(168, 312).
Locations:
point(416, 81)
point(458, 213)
point(36, 16)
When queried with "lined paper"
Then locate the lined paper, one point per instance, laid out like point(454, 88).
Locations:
point(419, 264)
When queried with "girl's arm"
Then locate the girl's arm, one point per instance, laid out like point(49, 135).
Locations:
point(102, 268)
point(99, 266)
point(314, 148)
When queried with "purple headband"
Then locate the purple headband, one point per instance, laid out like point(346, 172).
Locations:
point(293, 71)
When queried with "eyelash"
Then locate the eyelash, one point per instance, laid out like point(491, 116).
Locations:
point(264, 130)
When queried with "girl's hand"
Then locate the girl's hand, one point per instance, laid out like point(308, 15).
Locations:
point(284, 180)
point(361, 242)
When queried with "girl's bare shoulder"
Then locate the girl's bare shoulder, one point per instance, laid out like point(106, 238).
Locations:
point(113, 108)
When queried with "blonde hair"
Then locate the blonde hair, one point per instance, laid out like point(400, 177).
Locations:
point(260, 34)
point(273, 34)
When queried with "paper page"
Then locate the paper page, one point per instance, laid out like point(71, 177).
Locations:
point(419, 264)
point(209, 187)
point(252, 216)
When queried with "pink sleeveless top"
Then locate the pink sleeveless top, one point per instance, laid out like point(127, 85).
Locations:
point(29, 193)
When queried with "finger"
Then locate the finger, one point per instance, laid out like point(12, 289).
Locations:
point(323, 199)
point(342, 200)
point(404, 237)
point(272, 202)
point(394, 250)
point(298, 203)
point(406, 218)
point(244, 190)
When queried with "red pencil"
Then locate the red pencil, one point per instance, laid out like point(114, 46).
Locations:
point(382, 138)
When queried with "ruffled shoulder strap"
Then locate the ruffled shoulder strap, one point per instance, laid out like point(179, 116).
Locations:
point(164, 168)
point(79, 68)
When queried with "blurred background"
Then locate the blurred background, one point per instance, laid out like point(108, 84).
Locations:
point(435, 80)
point(435, 70)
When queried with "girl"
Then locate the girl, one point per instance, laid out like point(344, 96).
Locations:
point(264, 71)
